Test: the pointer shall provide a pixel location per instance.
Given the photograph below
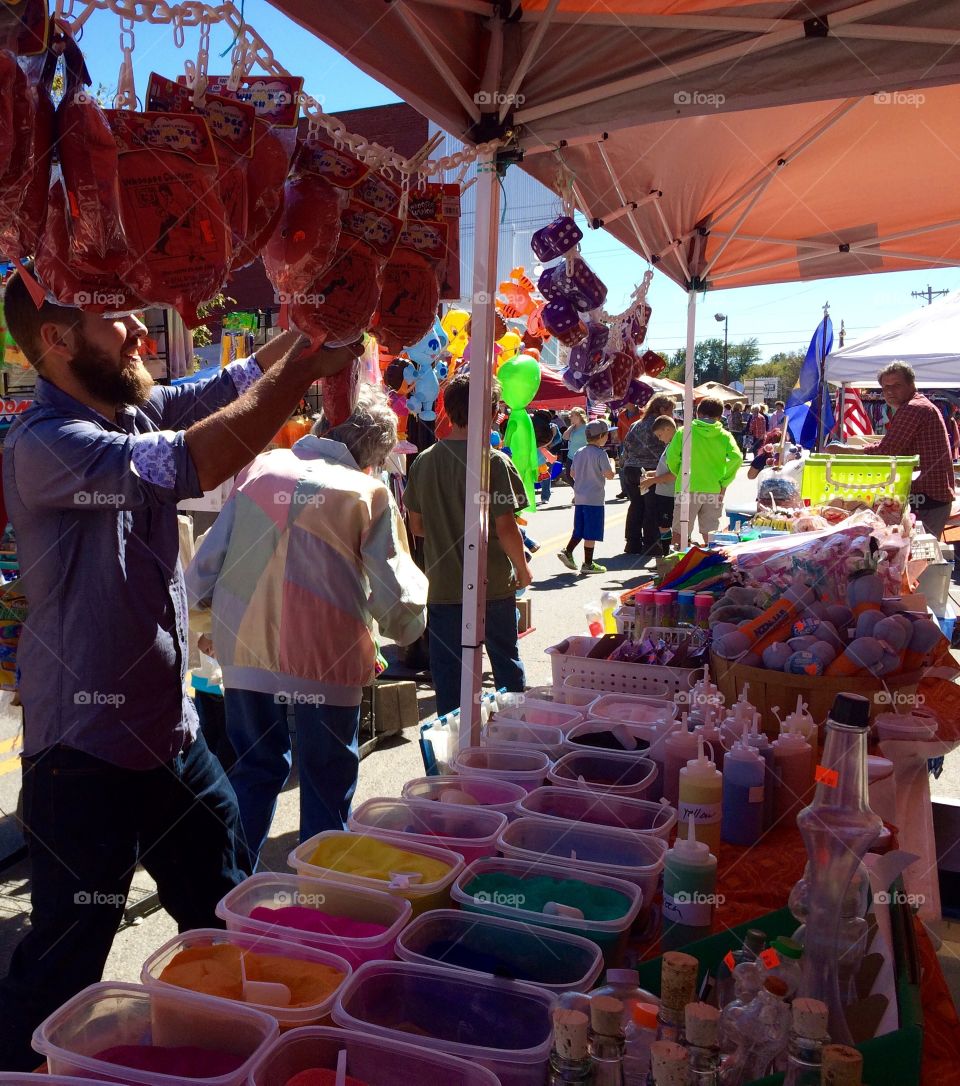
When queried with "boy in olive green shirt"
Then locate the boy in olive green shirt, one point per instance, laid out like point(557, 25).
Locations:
point(435, 500)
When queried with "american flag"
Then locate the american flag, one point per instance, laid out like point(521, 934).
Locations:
point(853, 415)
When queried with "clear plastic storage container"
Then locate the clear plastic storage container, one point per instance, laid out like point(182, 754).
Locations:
point(618, 737)
point(504, 1026)
point(528, 768)
point(543, 713)
point(327, 901)
point(502, 730)
point(620, 854)
point(110, 1014)
point(470, 831)
point(28, 1078)
point(376, 1061)
point(619, 774)
point(600, 809)
point(502, 796)
point(373, 861)
point(313, 1011)
point(508, 949)
point(627, 709)
point(610, 933)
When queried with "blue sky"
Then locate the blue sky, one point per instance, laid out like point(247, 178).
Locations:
point(781, 317)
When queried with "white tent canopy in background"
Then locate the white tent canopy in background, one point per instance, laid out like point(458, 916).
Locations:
point(927, 339)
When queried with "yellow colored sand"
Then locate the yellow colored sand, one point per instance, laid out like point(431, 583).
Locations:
point(369, 858)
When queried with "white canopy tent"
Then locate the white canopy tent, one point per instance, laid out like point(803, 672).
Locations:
point(927, 339)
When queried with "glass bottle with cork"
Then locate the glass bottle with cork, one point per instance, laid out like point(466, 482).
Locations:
point(842, 1066)
point(808, 1035)
point(570, 1057)
point(606, 1041)
point(669, 1064)
point(678, 987)
point(703, 1044)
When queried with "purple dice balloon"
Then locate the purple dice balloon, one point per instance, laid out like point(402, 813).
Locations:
point(587, 291)
point(639, 392)
point(639, 323)
point(556, 239)
point(589, 357)
point(553, 283)
point(573, 379)
point(561, 319)
point(599, 386)
point(621, 372)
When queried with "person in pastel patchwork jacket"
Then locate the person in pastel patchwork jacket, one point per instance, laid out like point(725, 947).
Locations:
point(307, 555)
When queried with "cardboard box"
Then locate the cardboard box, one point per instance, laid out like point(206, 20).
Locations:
point(526, 618)
point(395, 707)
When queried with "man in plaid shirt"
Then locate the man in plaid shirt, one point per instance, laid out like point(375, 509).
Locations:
point(916, 429)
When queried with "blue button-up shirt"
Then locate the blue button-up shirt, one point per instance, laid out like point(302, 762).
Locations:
point(102, 657)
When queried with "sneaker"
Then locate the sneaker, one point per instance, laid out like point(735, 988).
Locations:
point(593, 567)
point(567, 560)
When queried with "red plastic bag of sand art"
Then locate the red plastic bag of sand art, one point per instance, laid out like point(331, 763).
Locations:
point(179, 240)
point(411, 285)
point(339, 305)
point(68, 280)
point(88, 159)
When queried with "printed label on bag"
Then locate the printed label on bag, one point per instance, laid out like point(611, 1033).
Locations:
point(829, 777)
point(703, 813)
point(691, 909)
point(755, 795)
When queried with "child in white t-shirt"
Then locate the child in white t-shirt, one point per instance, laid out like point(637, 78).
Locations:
point(590, 470)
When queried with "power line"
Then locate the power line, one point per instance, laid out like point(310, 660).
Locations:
point(929, 294)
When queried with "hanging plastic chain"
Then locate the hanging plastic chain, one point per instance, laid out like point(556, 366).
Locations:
point(126, 96)
point(567, 208)
point(197, 73)
point(193, 13)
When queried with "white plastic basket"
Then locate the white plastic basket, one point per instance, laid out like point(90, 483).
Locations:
point(569, 660)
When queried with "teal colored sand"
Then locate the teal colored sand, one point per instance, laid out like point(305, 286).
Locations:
point(531, 894)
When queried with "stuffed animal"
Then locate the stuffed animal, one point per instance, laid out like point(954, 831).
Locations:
point(425, 372)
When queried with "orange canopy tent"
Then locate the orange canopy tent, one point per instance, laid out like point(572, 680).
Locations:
point(727, 142)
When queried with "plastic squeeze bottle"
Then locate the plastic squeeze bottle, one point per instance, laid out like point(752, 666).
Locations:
point(837, 828)
point(594, 619)
point(678, 748)
point(689, 889)
point(701, 796)
point(760, 743)
point(608, 604)
point(744, 774)
point(794, 762)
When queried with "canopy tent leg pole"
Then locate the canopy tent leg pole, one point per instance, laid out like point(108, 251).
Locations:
point(684, 492)
point(476, 521)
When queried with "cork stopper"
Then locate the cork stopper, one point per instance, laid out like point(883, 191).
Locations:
point(702, 1025)
point(810, 1019)
point(841, 1066)
point(678, 980)
point(606, 1016)
point(570, 1034)
point(670, 1063)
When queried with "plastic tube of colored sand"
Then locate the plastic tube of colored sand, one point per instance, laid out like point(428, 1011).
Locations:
point(341, 1067)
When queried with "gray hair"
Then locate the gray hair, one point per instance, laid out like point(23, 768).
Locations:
point(901, 368)
point(370, 432)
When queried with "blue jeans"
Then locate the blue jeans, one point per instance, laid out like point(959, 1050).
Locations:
point(546, 488)
point(88, 823)
point(327, 757)
point(444, 621)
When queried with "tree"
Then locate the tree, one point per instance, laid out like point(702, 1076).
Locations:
point(708, 360)
point(785, 365)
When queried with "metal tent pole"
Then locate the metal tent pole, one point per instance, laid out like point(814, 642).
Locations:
point(684, 492)
point(476, 523)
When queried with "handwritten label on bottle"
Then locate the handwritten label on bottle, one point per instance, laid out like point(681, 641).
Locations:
point(829, 777)
point(705, 813)
point(691, 909)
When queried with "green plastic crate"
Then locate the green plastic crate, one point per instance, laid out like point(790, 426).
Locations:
point(857, 478)
point(890, 1060)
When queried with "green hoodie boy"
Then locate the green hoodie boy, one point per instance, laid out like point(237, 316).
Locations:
point(715, 460)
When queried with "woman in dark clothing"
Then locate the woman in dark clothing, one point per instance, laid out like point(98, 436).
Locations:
point(641, 453)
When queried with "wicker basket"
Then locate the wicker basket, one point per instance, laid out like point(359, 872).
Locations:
point(777, 688)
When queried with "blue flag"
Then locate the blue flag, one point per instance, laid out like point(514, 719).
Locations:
point(804, 402)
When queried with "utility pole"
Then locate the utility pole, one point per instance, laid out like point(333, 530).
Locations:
point(843, 332)
point(725, 375)
point(929, 294)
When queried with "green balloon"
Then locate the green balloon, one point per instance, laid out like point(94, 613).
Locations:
point(519, 378)
point(522, 443)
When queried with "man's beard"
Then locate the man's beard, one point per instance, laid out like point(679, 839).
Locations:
point(97, 372)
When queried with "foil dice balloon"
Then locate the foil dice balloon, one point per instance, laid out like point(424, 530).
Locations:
point(582, 286)
point(561, 319)
point(574, 380)
point(638, 325)
point(557, 238)
point(650, 364)
point(599, 386)
point(589, 357)
point(621, 368)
